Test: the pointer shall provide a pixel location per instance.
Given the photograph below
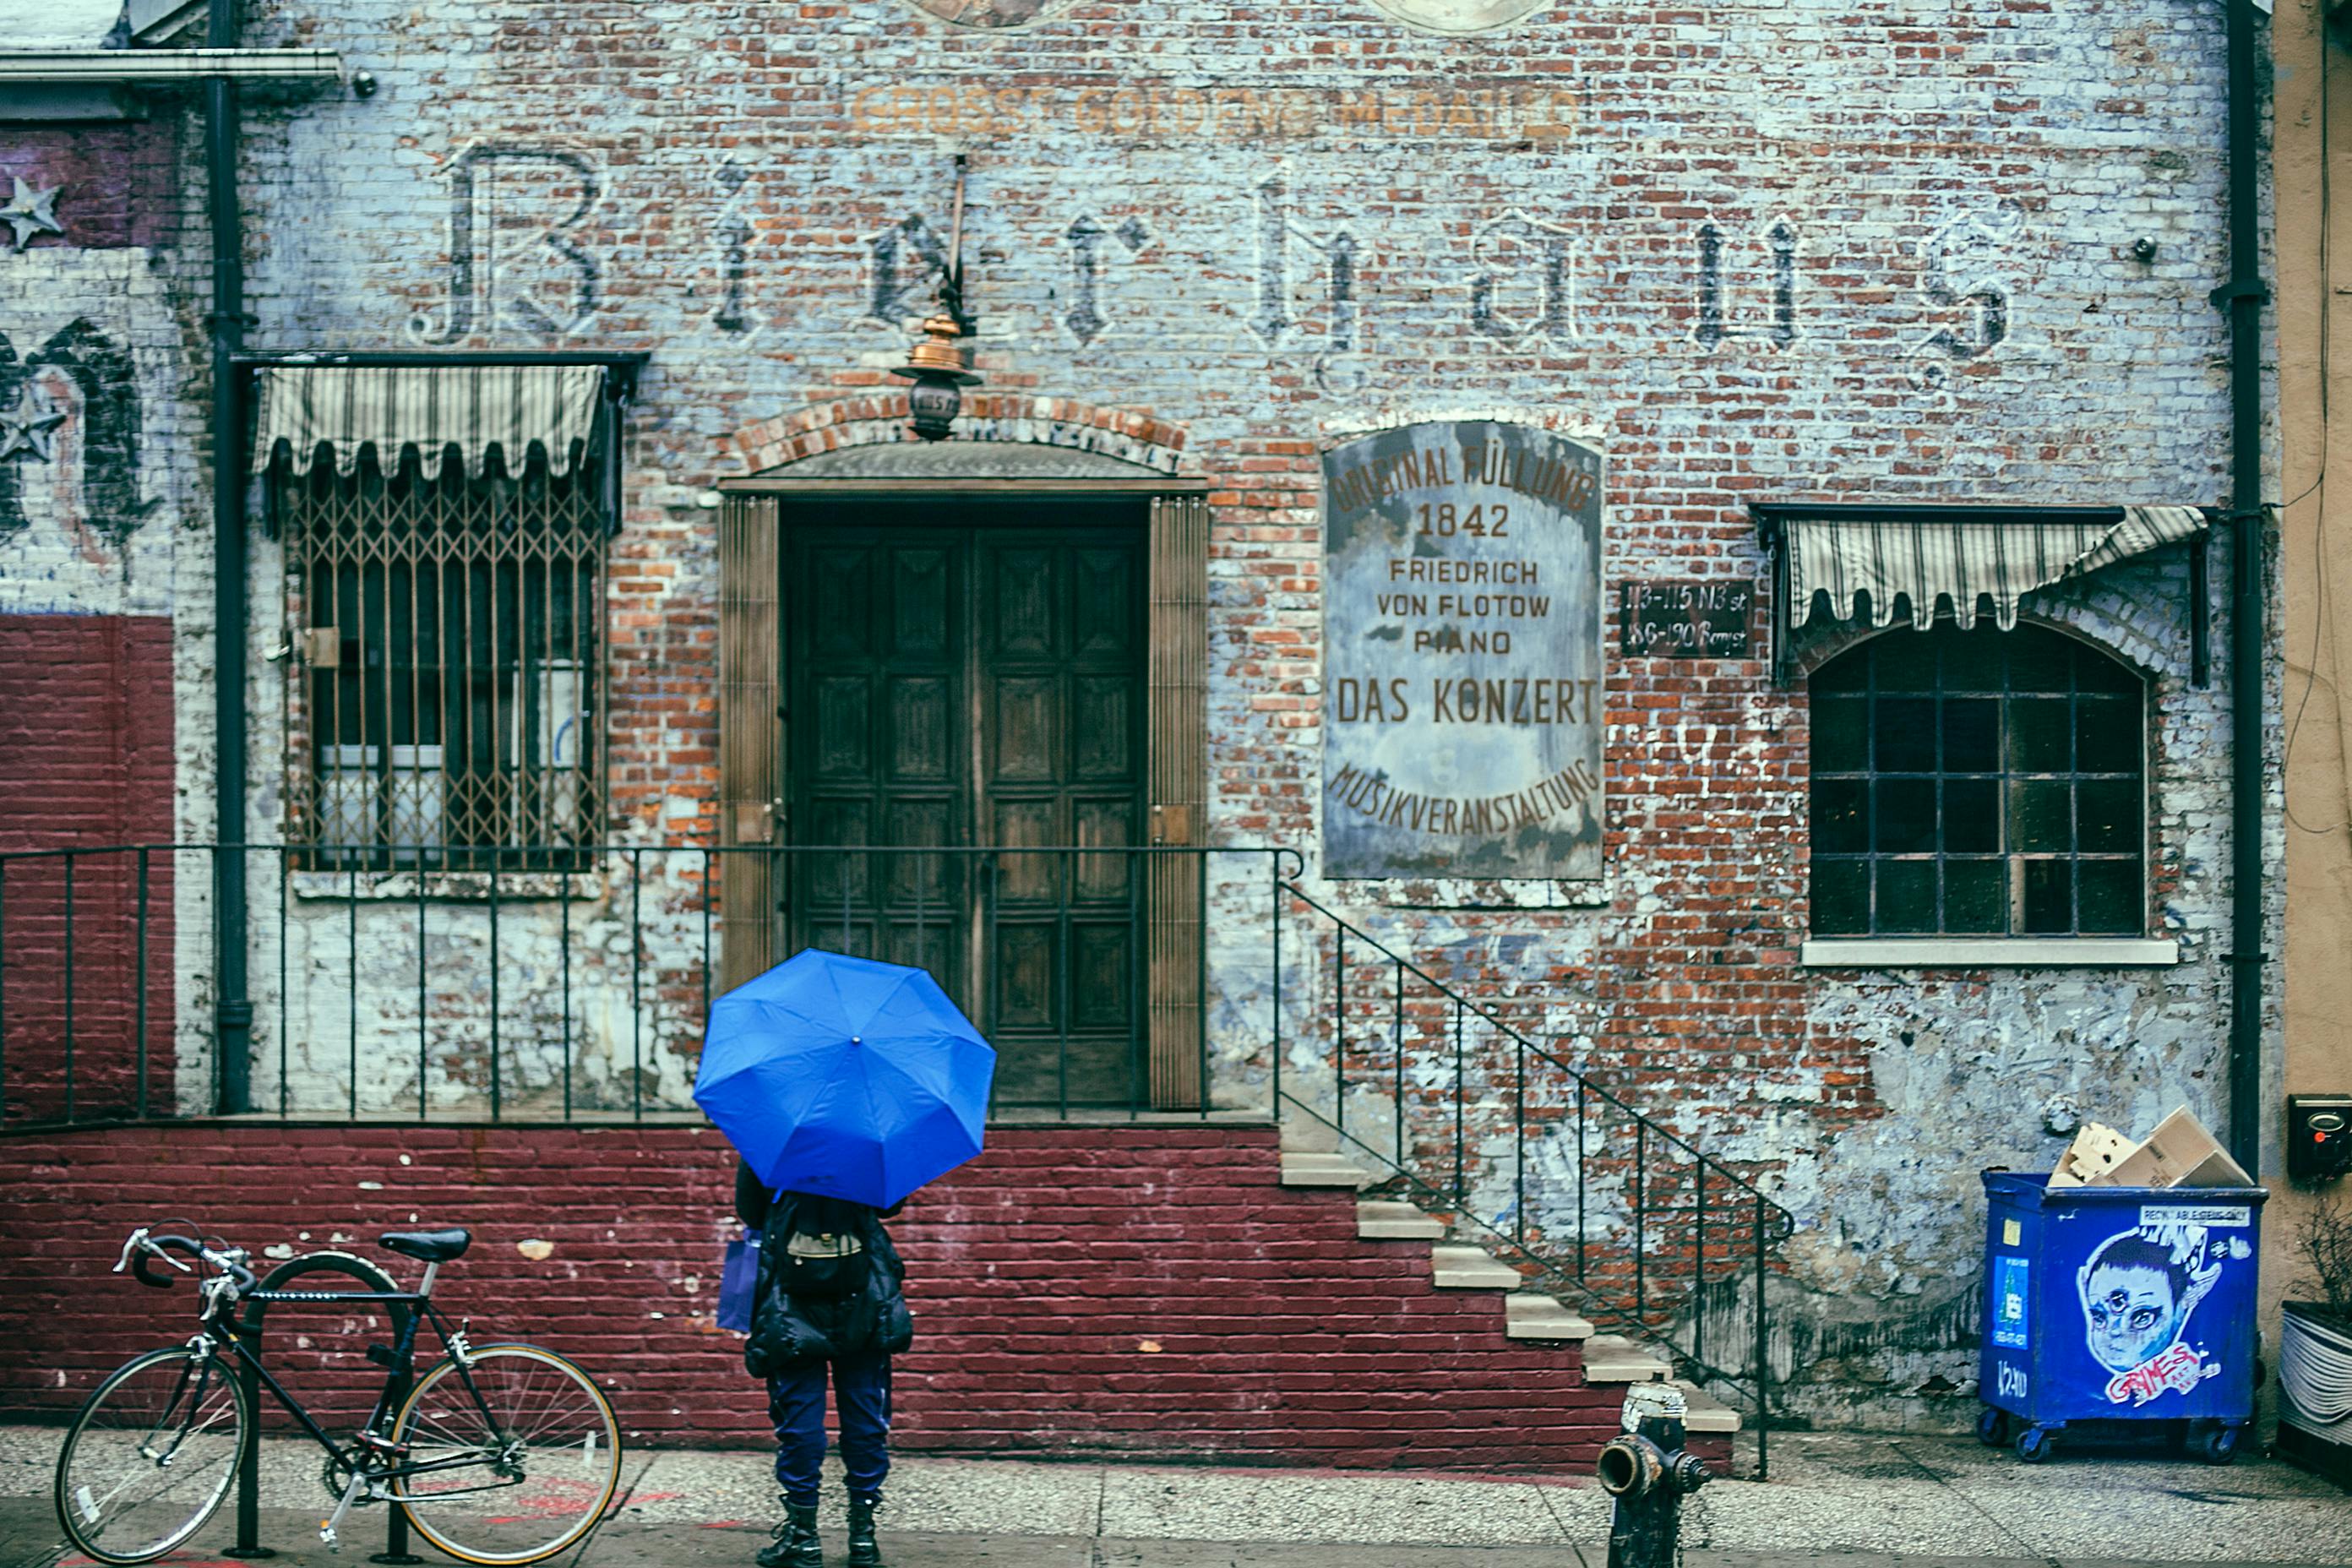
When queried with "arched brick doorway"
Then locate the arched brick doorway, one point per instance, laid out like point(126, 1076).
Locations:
point(972, 646)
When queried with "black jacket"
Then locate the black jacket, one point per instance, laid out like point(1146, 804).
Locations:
point(870, 1319)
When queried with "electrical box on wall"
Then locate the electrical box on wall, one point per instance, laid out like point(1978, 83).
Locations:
point(2318, 1136)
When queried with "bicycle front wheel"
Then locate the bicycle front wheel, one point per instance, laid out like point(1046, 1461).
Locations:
point(151, 1455)
point(509, 1458)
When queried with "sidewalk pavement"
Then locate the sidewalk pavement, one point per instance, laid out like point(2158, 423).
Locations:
point(1857, 1502)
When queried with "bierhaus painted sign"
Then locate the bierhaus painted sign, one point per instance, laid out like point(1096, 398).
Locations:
point(1462, 694)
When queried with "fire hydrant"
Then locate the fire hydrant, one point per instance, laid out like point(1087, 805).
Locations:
point(1648, 1472)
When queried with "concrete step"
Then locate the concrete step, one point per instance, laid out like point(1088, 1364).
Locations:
point(1530, 1315)
point(1377, 1221)
point(1704, 1413)
point(1304, 1135)
point(1470, 1268)
point(1324, 1170)
point(1611, 1358)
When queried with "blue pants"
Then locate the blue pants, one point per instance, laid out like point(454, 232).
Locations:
point(861, 1398)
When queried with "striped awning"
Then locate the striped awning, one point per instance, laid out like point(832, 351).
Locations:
point(346, 409)
point(1927, 564)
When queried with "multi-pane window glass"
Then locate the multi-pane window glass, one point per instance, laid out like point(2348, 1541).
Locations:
point(1977, 783)
point(449, 632)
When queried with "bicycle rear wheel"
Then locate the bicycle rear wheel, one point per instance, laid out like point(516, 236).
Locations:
point(151, 1455)
point(529, 1468)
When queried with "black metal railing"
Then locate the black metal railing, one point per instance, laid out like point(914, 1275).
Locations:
point(482, 992)
point(1490, 1128)
point(531, 995)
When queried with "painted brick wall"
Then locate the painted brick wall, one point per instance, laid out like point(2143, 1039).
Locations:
point(86, 757)
point(116, 183)
point(1255, 230)
point(1135, 1292)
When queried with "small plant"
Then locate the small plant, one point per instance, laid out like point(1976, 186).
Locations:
point(2324, 1242)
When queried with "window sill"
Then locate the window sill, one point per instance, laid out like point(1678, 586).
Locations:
point(1988, 953)
point(445, 887)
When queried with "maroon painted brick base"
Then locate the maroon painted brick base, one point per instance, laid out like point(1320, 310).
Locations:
point(1138, 1291)
point(85, 759)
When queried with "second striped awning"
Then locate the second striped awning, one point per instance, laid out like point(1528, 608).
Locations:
point(1907, 562)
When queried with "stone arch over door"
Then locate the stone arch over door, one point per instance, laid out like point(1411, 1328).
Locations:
point(801, 467)
point(1147, 445)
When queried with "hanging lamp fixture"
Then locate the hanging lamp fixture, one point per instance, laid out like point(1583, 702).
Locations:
point(935, 366)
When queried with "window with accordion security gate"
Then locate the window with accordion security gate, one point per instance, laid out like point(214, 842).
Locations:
point(982, 675)
point(445, 544)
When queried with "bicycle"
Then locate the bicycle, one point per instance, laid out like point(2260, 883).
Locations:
point(488, 1451)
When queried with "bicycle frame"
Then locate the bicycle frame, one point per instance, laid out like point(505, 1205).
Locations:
point(400, 1374)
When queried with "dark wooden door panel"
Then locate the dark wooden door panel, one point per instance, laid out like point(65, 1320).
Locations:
point(921, 580)
point(922, 729)
point(1025, 732)
point(1102, 729)
point(1021, 619)
point(842, 715)
point(981, 687)
point(1104, 618)
point(839, 610)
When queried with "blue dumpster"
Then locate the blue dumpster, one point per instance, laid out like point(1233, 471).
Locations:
point(2118, 1304)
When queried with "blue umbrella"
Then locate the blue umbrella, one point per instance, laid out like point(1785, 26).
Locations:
point(844, 1076)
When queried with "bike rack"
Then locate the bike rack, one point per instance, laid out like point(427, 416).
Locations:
point(248, 1547)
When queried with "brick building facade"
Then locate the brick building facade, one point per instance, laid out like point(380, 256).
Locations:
point(1783, 253)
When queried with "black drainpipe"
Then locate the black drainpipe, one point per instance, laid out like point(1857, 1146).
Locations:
point(233, 1010)
point(2244, 297)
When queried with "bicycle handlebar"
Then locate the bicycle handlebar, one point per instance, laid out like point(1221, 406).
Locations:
point(142, 1249)
point(151, 1248)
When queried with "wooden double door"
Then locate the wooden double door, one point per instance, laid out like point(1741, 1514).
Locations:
point(968, 703)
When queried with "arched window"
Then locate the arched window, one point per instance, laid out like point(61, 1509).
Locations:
point(1980, 782)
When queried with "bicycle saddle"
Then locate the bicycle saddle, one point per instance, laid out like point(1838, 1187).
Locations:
point(428, 1246)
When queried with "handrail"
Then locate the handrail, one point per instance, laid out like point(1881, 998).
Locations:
point(1741, 1200)
point(1491, 1016)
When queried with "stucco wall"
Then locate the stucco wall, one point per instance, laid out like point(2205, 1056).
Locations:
point(2316, 857)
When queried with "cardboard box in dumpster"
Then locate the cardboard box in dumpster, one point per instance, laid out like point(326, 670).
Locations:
point(2096, 1149)
point(2180, 1153)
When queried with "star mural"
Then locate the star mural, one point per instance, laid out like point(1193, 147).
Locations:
point(32, 212)
point(31, 427)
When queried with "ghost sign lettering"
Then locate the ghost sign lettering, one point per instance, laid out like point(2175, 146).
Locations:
point(990, 13)
point(1459, 16)
point(1461, 703)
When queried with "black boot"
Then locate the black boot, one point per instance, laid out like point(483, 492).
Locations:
point(863, 1551)
point(796, 1545)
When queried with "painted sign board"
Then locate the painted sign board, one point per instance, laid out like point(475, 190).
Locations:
point(1692, 617)
point(1462, 679)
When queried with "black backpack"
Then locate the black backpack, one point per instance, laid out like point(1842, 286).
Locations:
point(822, 1250)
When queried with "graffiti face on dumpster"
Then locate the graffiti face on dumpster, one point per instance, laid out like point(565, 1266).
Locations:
point(2139, 1289)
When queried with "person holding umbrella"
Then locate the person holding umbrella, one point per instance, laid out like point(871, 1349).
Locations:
point(845, 1084)
point(847, 1324)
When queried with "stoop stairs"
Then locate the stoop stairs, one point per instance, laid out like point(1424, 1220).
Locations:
point(1310, 1160)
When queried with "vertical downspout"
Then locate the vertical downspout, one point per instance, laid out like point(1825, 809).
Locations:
point(233, 1010)
point(2243, 297)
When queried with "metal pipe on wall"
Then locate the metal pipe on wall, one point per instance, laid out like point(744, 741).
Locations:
point(2244, 297)
point(233, 1008)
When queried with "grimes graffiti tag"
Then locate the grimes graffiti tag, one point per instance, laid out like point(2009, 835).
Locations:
point(2138, 1291)
point(2177, 1368)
